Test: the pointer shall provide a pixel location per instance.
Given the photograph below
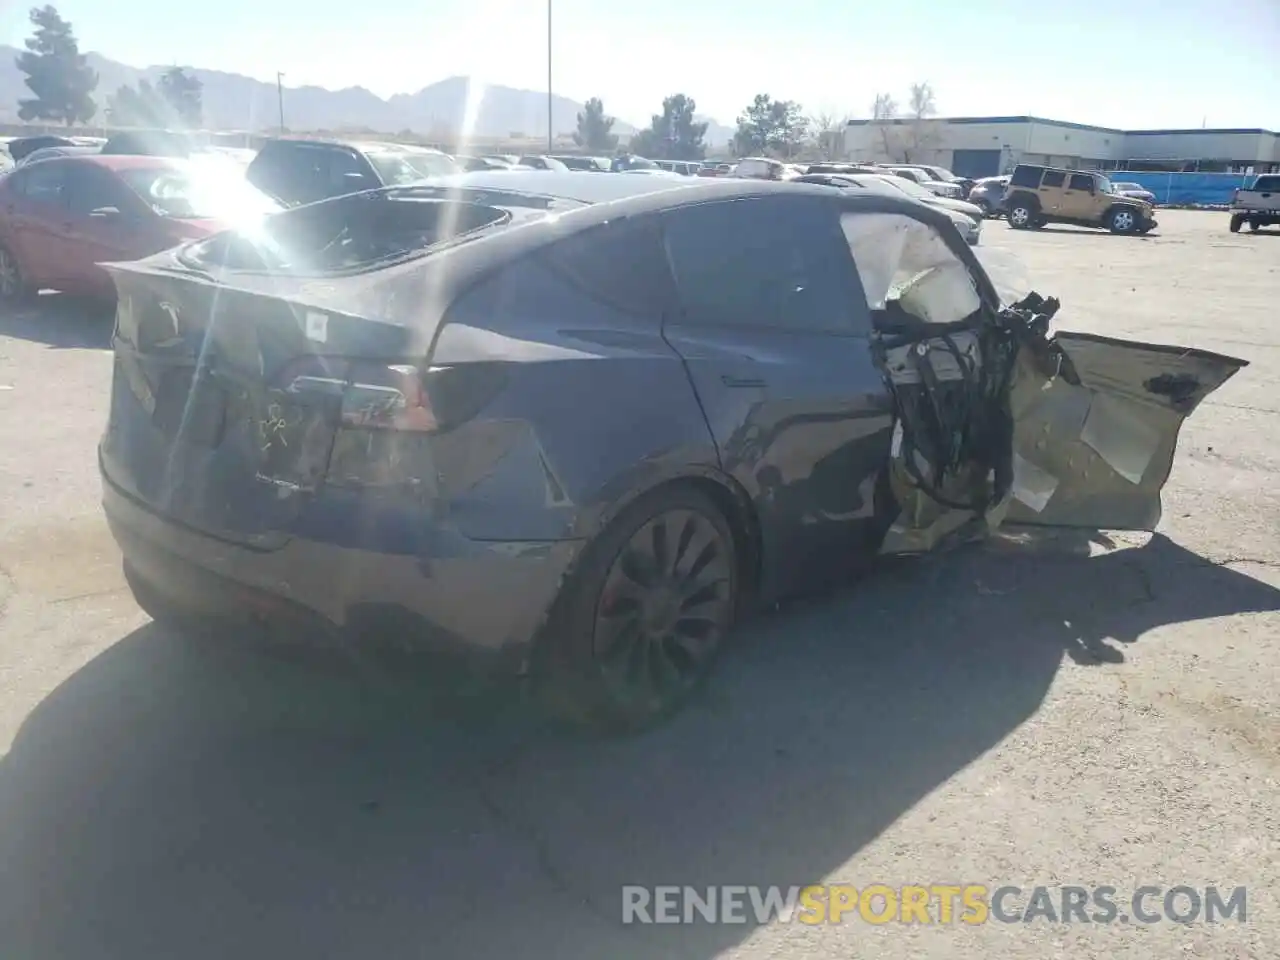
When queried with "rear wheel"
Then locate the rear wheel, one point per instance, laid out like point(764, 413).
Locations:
point(984, 206)
point(1022, 215)
point(13, 285)
point(1123, 220)
point(1255, 225)
point(1237, 222)
point(641, 622)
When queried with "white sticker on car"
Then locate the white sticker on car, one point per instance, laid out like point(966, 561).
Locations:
point(317, 326)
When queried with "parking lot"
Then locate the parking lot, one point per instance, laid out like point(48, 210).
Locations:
point(1038, 710)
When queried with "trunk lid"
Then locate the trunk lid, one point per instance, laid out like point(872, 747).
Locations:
point(225, 401)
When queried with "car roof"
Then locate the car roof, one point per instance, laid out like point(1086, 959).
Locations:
point(361, 145)
point(118, 161)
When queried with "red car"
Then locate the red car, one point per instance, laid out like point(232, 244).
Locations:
point(60, 218)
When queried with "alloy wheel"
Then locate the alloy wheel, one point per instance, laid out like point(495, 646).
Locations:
point(1123, 221)
point(665, 605)
point(1019, 216)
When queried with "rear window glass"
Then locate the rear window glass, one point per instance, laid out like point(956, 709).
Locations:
point(1267, 183)
point(622, 264)
point(346, 235)
point(1027, 176)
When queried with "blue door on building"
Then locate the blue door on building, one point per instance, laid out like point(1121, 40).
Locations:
point(975, 163)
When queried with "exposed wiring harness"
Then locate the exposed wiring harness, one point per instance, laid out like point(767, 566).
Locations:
point(961, 424)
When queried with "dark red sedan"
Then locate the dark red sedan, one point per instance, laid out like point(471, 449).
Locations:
point(60, 218)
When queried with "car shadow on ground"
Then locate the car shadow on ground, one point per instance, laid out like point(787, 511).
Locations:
point(209, 797)
point(1067, 228)
point(60, 321)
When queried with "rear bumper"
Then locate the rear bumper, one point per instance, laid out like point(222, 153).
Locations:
point(465, 596)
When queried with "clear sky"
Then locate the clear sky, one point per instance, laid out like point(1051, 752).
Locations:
point(1135, 64)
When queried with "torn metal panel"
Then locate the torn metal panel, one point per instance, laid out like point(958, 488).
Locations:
point(999, 419)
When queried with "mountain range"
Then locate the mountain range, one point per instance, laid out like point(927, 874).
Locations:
point(233, 101)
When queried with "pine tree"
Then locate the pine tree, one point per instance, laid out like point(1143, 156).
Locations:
point(57, 72)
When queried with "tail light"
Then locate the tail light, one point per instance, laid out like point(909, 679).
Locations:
point(367, 395)
point(387, 396)
point(386, 413)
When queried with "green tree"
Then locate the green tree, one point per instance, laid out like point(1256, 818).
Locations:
point(183, 95)
point(672, 134)
point(595, 130)
point(57, 72)
point(140, 106)
point(770, 126)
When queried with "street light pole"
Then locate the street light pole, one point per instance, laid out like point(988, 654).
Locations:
point(550, 131)
point(280, 97)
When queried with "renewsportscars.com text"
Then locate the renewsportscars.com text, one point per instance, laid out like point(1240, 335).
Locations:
point(965, 904)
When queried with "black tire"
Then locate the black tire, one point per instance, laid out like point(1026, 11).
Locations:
point(1254, 226)
point(1122, 220)
point(1022, 214)
point(13, 285)
point(620, 652)
point(1236, 222)
point(984, 206)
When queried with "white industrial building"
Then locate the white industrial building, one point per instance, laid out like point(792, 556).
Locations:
point(986, 146)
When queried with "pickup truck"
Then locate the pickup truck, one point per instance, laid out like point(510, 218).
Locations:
point(1259, 205)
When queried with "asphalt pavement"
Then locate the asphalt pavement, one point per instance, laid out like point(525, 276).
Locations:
point(1038, 710)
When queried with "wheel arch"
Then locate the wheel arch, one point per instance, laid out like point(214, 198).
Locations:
point(723, 490)
point(1026, 196)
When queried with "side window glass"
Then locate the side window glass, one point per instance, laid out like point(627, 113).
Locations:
point(88, 189)
point(620, 264)
point(1026, 177)
point(1081, 181)
point(41, 183)
point(342, 163)
point(274, 168)
point(765, 263)
point(1053, 178)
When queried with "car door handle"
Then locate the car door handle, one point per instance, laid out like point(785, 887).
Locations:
point(742, 382)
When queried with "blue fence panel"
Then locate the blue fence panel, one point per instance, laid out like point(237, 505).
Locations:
point(1186, 189)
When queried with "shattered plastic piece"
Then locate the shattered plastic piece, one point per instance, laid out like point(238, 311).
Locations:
point(901, 258)
point(1031, 485)
point(1119, 437)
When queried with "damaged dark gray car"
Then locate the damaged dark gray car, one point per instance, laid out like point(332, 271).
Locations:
point(584, 423)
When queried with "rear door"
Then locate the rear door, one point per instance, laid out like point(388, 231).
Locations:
point(105, 222)
point(1077, 199)
point(34, 211)
point(772, 324)
point(1051, 192)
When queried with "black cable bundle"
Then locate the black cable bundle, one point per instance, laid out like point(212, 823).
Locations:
point(964, 424)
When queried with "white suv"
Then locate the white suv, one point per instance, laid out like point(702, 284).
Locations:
point(762, 168)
